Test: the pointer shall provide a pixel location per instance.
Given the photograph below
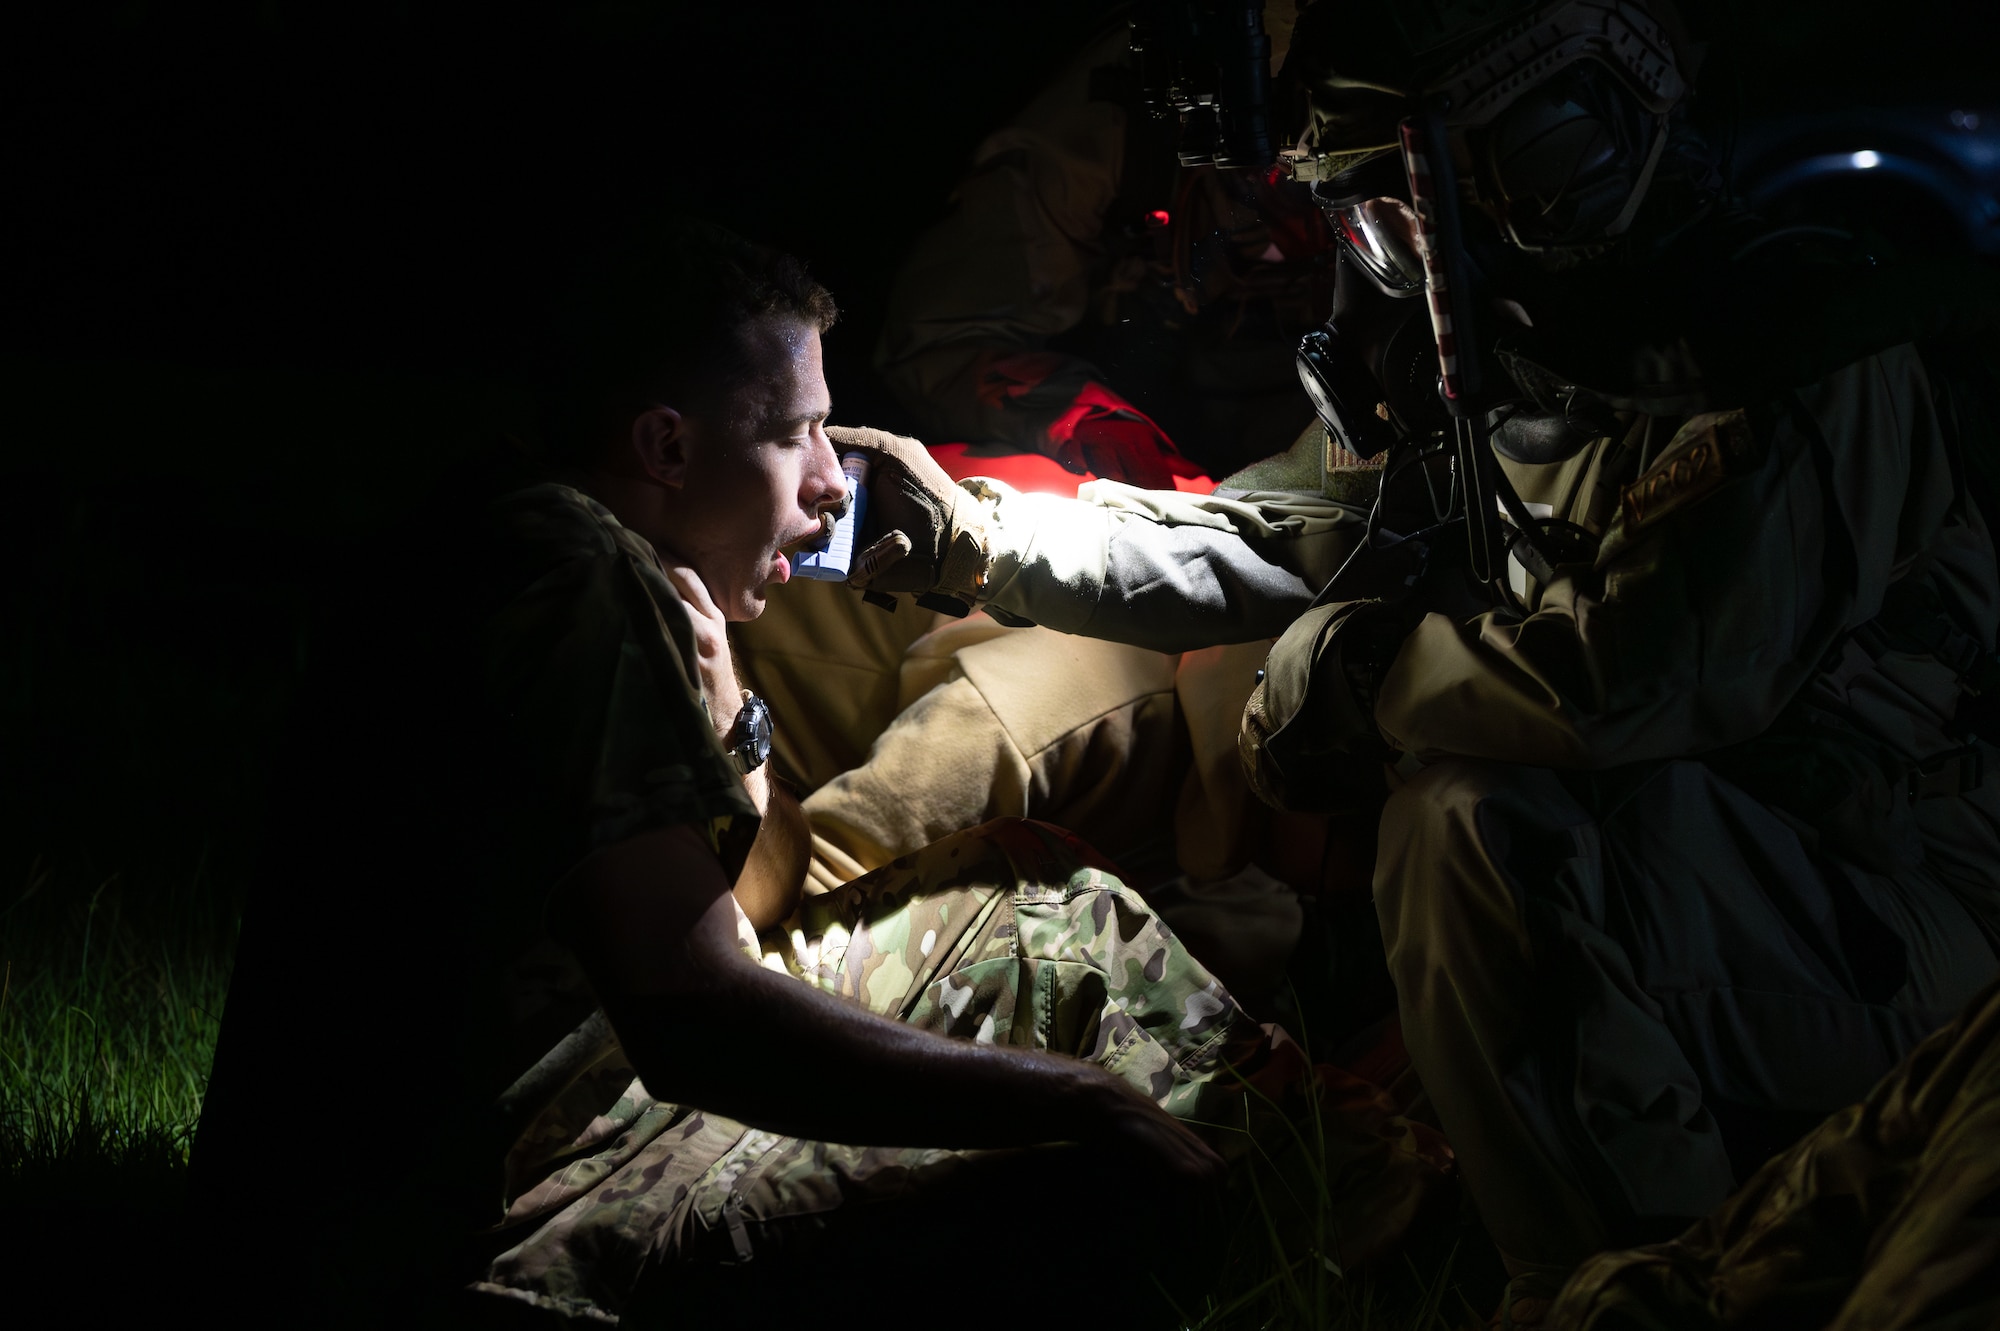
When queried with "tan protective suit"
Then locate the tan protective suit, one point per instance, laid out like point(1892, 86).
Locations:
point(904, 728)
point(1711, 954)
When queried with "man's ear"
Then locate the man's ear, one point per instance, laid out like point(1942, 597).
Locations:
point(660, 446)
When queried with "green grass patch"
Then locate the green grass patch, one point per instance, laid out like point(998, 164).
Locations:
point(107, 1031)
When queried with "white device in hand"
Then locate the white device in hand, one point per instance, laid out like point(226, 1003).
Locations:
point(832, 563)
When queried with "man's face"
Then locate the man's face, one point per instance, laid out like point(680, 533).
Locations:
point(759, 470)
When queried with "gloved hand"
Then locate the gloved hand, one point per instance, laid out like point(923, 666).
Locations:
point(1122, 448)
point(1308, 741)
point(923, 533)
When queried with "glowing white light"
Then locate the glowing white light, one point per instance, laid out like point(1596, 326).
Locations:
point(1866, 159)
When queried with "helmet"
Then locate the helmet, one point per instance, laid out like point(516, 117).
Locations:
point(1557, 116)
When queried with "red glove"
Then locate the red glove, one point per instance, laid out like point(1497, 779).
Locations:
point(1104, 434)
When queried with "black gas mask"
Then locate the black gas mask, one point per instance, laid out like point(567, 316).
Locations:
point(1372, 371)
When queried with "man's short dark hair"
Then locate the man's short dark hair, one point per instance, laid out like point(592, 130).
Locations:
point(661, 322)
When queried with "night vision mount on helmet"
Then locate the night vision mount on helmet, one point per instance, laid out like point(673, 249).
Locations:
point(1208, 64)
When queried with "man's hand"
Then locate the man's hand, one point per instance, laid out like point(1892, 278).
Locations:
point(711, 648)
point(923, 532)
point(1163, 1150)
point(774, 873)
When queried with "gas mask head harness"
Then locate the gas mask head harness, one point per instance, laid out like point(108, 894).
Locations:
point(1551, 122)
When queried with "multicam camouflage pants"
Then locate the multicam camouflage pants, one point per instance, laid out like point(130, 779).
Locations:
point(1011, 933)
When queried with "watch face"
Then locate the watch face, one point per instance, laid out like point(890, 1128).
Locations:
point(759, 740)
point(752, 735)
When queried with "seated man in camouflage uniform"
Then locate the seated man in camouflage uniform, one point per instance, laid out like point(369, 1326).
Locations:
point(611, 1053)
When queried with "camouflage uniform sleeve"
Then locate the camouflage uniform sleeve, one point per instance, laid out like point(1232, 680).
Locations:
point(590, 662)
point(1721, 584)
point(1008, 269)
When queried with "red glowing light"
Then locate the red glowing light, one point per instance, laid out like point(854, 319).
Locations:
point(1157, 218)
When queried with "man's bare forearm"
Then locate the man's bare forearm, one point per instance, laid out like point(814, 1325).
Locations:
point(763, 1048)
point(775, 872)
point(703, 1024)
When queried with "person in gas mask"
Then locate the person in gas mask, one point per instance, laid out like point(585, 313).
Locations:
point(1673, 624)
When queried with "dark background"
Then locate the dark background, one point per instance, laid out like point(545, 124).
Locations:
point(270, 274)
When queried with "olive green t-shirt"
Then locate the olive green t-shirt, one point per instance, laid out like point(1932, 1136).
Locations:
point(588, 667)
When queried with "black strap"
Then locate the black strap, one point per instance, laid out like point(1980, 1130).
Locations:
point(944, 603)
point(1915, 617)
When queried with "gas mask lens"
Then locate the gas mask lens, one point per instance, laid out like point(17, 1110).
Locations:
point(1381, 236)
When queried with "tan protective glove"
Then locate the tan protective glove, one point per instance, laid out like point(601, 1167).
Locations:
point(922, 532)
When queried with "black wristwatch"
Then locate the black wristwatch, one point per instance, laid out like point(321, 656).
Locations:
point(749, 740)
